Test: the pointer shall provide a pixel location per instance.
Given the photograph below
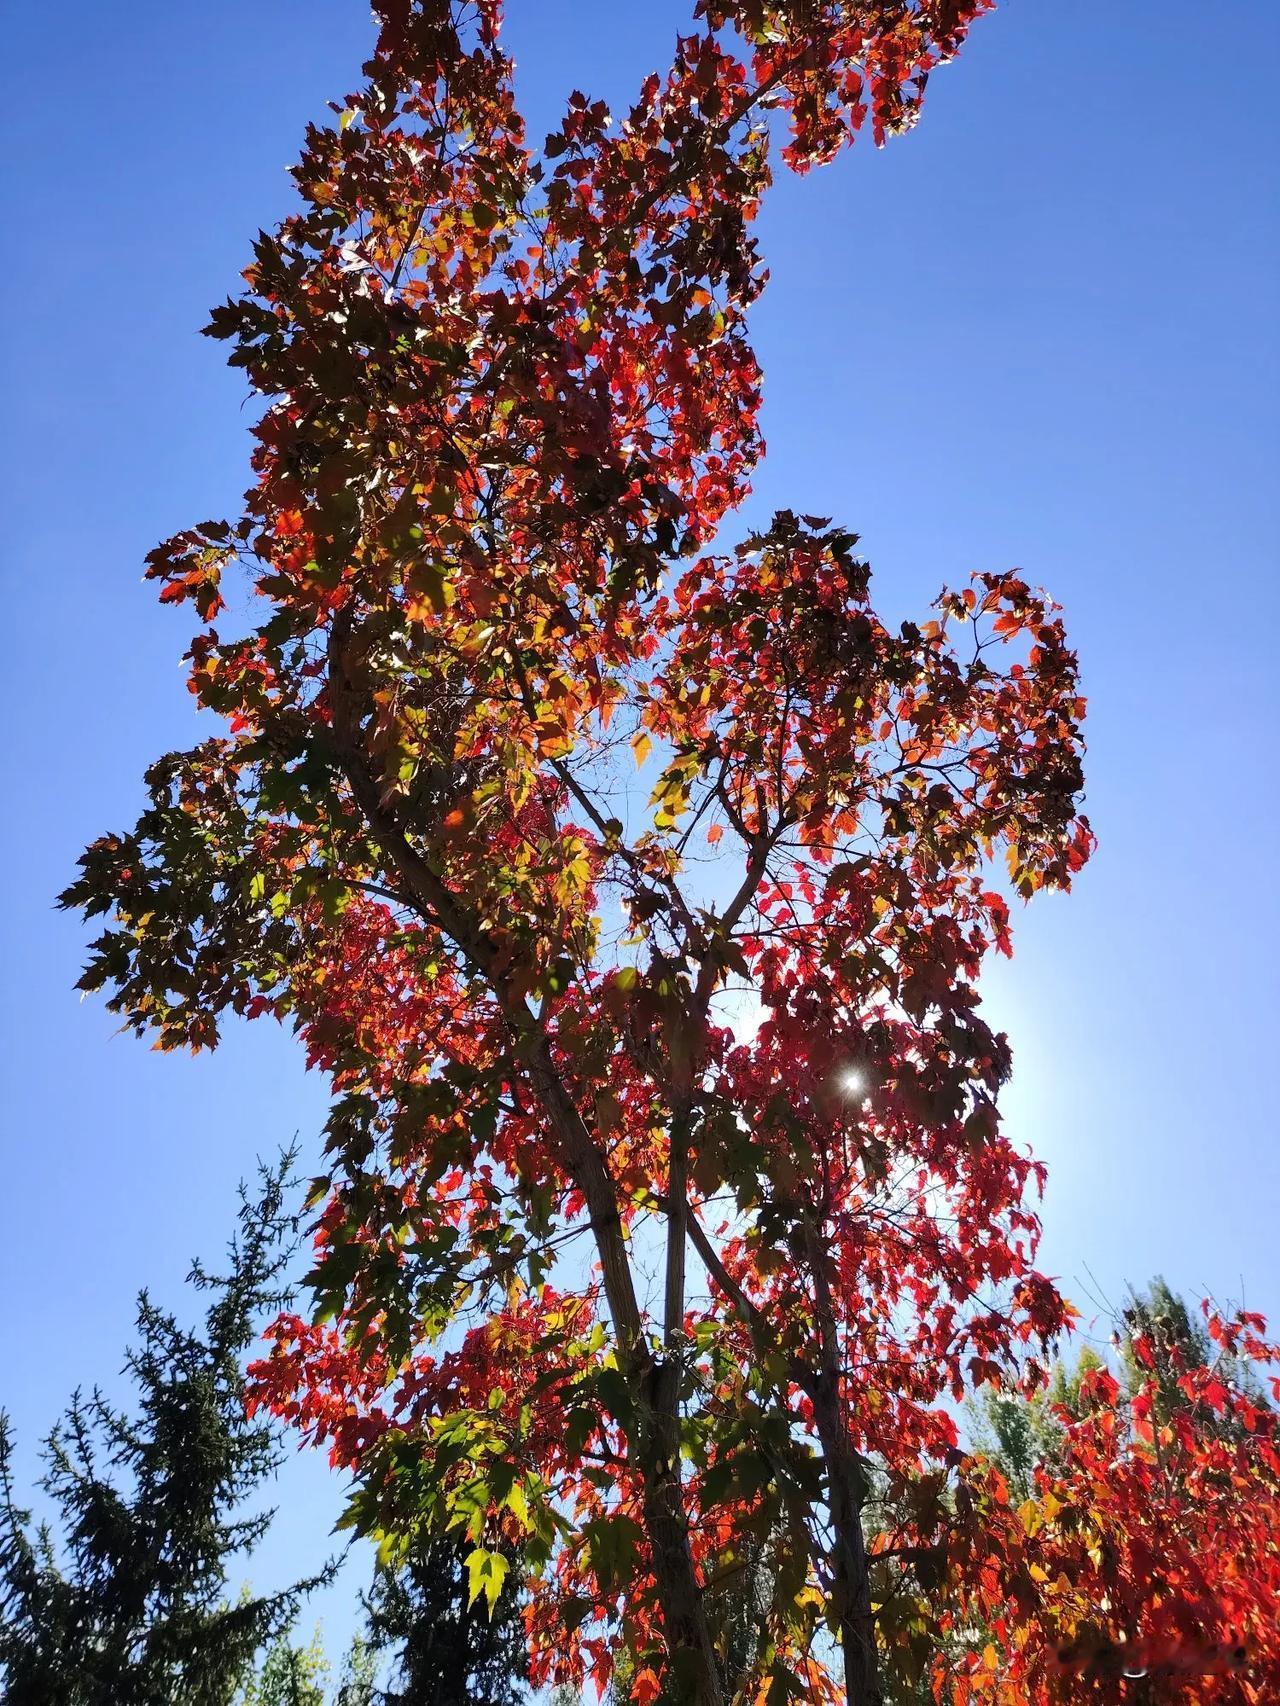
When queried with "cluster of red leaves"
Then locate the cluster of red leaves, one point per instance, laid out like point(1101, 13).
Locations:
point(1145, 1566)
point(346, 1397)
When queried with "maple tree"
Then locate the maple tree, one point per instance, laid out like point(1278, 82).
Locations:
point(510, 402)
point(1144, 1561)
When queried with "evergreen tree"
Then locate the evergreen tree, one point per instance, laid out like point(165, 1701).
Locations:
point(450, 1650)
point(290, 1675)
point(359, 1675)
point(1016, 1433)
point(128, 1604)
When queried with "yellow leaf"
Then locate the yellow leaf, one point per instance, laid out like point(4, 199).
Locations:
point(641, 745)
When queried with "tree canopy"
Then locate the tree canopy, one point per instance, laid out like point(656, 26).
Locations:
point(525, 771)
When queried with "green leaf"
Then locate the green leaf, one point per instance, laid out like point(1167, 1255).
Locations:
point(486, 1572)
point(518, 1504)
point(614, 1545)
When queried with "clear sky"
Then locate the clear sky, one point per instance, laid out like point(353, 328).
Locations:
point(1041, 330)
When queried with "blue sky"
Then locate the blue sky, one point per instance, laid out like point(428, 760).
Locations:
point(1041, 330)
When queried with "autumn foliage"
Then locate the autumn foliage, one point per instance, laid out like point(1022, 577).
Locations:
point(1145, 1565)
point(524, 773)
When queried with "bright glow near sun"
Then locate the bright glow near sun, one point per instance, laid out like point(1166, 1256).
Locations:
point(852, 1082)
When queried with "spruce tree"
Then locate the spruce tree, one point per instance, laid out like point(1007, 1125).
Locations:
point(450, 1650)
point(123, 1601)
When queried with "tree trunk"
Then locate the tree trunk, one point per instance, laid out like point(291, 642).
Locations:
point(656, 1434)
point(851, 1580)
point(695, 1676)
